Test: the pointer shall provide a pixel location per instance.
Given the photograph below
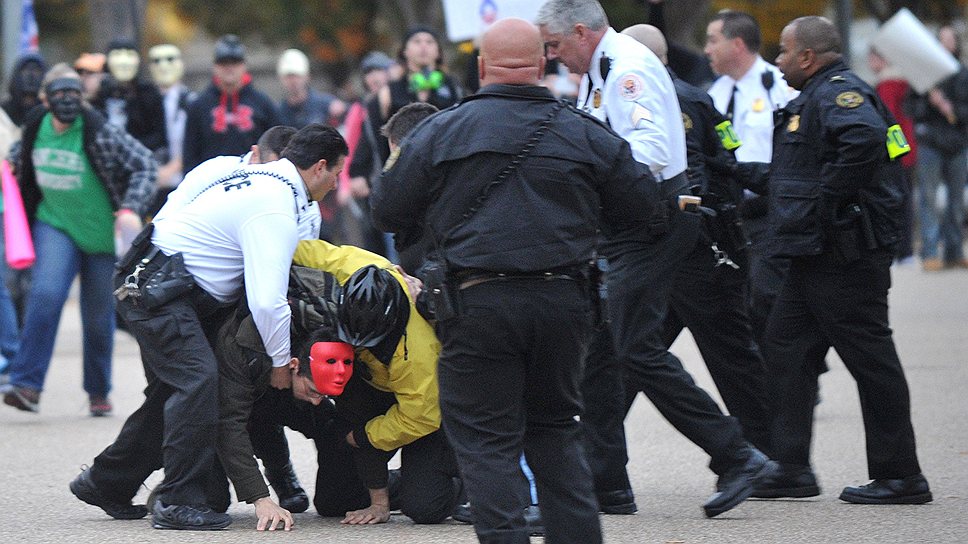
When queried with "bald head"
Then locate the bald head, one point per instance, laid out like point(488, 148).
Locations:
point(652, 38)
point(512, 53)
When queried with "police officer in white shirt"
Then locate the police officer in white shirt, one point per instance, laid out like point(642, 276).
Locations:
point(748, 91)
point(173, 287)
point(627, 86)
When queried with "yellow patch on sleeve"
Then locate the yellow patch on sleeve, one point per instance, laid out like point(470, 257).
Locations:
point(849, 99)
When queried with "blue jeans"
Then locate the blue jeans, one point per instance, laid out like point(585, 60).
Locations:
point(941, 226)
point(59, 260)
point(9, 333)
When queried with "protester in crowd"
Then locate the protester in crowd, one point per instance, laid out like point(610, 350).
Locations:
point(196, 256)
point(941, 129)
point(302, 104)
point(128, 100)
point(689, 65)
point(90, 66)
point(81, 179)
point(27, 75)
point(167, 69)
point(229, 115)
point(363, 135)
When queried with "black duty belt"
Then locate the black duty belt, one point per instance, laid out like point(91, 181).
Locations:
point(470, 279)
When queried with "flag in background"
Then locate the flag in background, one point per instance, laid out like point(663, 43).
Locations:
point(29, 36)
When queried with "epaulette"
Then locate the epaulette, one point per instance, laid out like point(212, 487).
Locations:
point(836, 79)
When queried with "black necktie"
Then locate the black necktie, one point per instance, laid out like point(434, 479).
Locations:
point(732, 103)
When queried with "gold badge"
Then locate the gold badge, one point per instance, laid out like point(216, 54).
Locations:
point(597, 99)
point(759, 105)
point(687, 121)
point(849, 100)
point(794, 124)
point(392, 159)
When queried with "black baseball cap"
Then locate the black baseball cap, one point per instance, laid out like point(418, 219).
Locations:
point(229, 48)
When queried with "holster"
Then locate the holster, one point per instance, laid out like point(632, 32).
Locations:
point(440, 294)
point(169, 282)
point(726, 227)
point(140, 246)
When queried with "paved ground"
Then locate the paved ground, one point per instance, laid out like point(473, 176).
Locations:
point(39, 454)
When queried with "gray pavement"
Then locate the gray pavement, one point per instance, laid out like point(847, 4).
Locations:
point(41, 453)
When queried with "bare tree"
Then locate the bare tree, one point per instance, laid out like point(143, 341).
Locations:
point(111, 19)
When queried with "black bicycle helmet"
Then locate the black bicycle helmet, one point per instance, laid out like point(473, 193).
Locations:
point(372, 308)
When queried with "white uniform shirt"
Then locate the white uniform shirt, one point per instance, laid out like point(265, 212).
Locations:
point(753, 108)
point(245, 228)
point(637, 99)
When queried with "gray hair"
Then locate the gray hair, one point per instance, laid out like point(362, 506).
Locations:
point(560, 16)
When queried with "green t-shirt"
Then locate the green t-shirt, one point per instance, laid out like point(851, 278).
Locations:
point(75, 201)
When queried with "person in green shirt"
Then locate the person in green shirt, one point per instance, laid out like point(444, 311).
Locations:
point(82, 180)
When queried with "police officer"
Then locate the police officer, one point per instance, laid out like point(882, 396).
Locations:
point(173, 286)
point(747, 92)
point(711, 285)
point(835, 197)
point(628, 86)
point(516, 253)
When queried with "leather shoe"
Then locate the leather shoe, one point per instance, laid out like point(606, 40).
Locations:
point(532, 517)
point(184, 517)
point(291, 495)
point(736, 485)
point(83, 488)
point(791, 481)
point(619, 501)
point(910, 490)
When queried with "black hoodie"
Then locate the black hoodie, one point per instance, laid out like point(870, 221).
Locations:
point(25, 82)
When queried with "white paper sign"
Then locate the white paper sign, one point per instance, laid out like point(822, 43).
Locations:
point(467, 19)
point(914, 52)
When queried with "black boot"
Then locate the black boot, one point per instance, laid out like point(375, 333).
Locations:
point(291, 495)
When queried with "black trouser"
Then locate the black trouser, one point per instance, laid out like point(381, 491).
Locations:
point(710, 301)
point(510, 370)
point(603, 421)
point(175, 426)
point(825, 304)
point(429, 486)
point(766, 273)
point(640, 285)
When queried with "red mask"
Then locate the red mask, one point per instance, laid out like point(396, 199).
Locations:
point(331, 364)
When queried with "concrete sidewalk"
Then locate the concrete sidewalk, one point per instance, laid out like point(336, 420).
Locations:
point(41, 453)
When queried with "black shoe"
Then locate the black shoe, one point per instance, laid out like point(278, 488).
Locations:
point(791, 481)
point(910, 490)
point(532, 517)
point(737, 484)
point(83, 488)
point(620, 501)
point(291, 495)
point(180, 516)
point(462, 513)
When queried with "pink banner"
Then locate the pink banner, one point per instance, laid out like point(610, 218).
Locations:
point(20, 245)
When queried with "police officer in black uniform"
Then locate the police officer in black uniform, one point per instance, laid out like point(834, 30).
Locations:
point(513, 186)
point(710, 285)
point(835, 210)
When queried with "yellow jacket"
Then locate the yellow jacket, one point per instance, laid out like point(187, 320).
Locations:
point(412, 373)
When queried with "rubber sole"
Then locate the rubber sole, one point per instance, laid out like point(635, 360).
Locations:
point(787, 492)
point(920, 498)
point(768, 468)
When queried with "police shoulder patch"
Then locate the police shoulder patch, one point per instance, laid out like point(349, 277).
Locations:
point(392, 159)
point(630, 86)
point(849, 99)
point(687, 121)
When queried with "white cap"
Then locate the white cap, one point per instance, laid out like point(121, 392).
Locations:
point(293, 61)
